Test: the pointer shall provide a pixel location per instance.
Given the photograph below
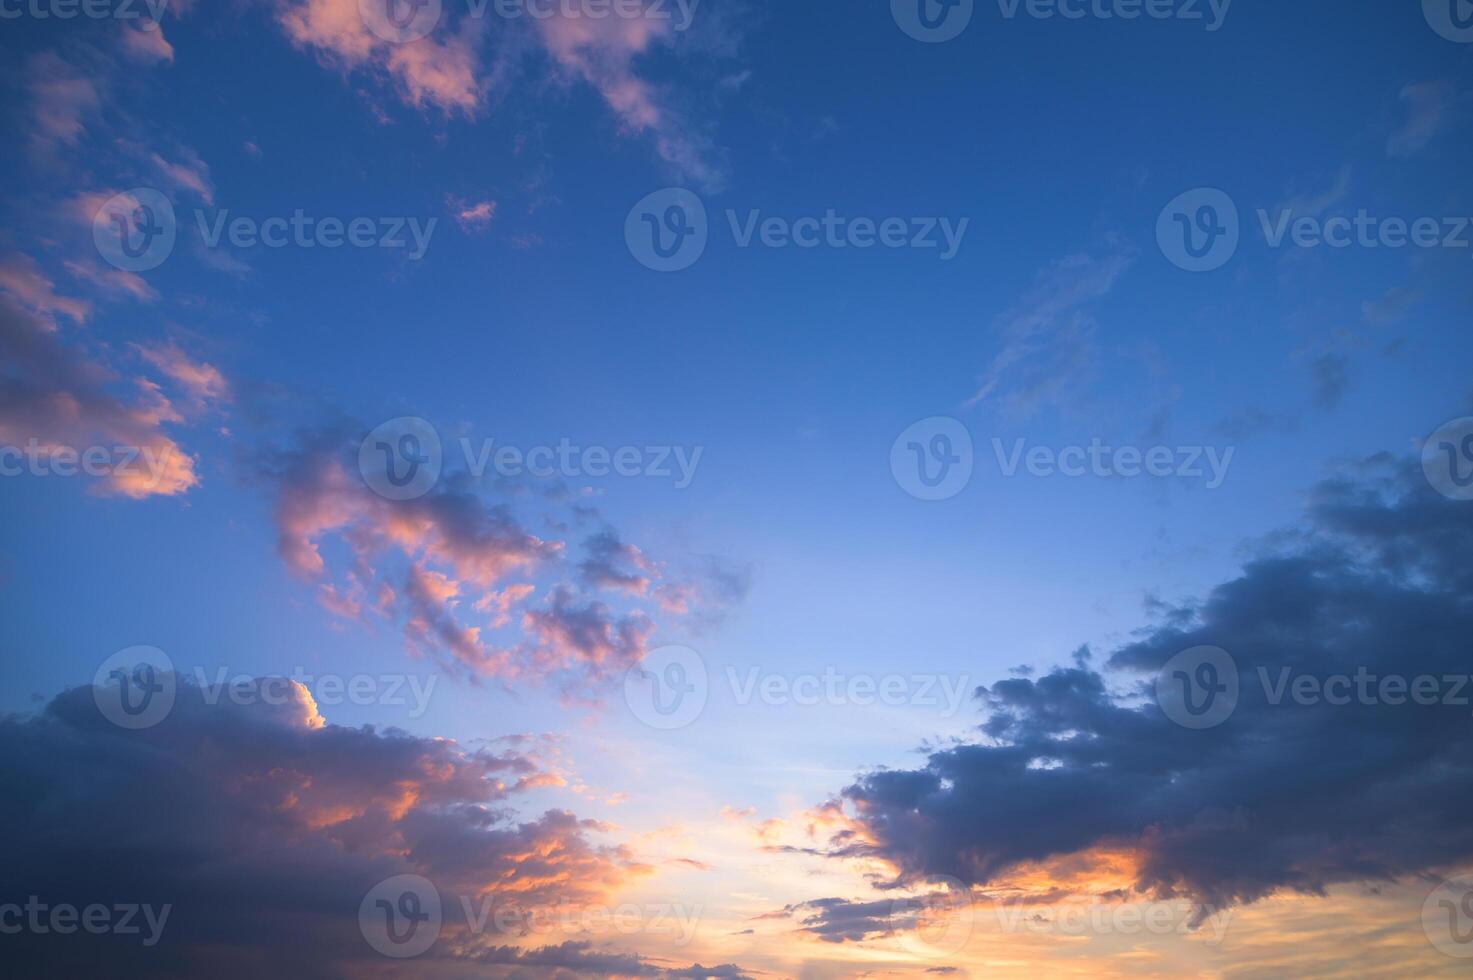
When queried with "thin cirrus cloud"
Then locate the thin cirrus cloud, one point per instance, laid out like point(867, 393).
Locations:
point(262, 826)
point(1280, 798)
point(1047, 337)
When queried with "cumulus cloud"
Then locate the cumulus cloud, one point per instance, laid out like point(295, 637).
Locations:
point(1285, 796)
point(263, 827)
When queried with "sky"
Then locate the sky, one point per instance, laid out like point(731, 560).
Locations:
point(638, 488)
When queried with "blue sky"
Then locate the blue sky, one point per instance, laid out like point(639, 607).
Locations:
point(1058, 321)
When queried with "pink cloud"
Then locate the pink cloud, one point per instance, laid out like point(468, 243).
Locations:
point(472, 217)
point(23, 279)
point(430, 71)
point(61, 97)
point(202, 383)
point(147, 44)
point(57, 400)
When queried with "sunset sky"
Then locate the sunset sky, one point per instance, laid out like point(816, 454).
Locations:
point(727, 488)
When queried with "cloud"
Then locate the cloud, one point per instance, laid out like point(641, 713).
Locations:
point(264, 826)
point(579, 959)
point(62, 97)
point(472, 217)
point(189, 174)
point(1330, 373)
point(1428, 108)
point(602, 53)
point(203, 383)
point(440, 70)
point(1047, 338)
point(450, 69)
point(444, 559)
point(1313, 205)
point(609, 563)
point(1280, 797)
point(23, 279)
point(147, 44)
point(587, 637)
point(56, 399)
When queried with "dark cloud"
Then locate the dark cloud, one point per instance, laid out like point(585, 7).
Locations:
point(1279, 796)
point(1331, 377)
point(263, 828)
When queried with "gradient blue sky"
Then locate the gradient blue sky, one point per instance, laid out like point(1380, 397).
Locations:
point(795, 370)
